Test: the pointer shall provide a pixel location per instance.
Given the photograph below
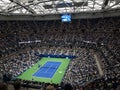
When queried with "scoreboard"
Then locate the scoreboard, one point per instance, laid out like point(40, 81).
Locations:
point(66, 18)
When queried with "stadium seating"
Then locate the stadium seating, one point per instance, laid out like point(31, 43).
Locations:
point(80, 38)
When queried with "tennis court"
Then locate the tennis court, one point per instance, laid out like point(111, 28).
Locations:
point(48, 70)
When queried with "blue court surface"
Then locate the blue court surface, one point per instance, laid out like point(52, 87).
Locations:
point(48, 70)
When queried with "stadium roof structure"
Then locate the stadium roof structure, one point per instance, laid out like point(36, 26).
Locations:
point(52, 9)
point(45, 7)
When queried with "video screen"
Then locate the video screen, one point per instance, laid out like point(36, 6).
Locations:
point(66, 18)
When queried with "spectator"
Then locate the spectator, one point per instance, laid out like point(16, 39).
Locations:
point(50, 87)
point(3, 86)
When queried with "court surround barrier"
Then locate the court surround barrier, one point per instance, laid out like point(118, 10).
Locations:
point(56, 56)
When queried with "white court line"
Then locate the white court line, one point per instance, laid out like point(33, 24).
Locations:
point(48, 69)
point(54, 71)
point(51, 73)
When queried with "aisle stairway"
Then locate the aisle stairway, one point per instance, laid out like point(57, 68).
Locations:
point(97, 59)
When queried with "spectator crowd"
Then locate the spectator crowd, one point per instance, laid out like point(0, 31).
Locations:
point(20, 40)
